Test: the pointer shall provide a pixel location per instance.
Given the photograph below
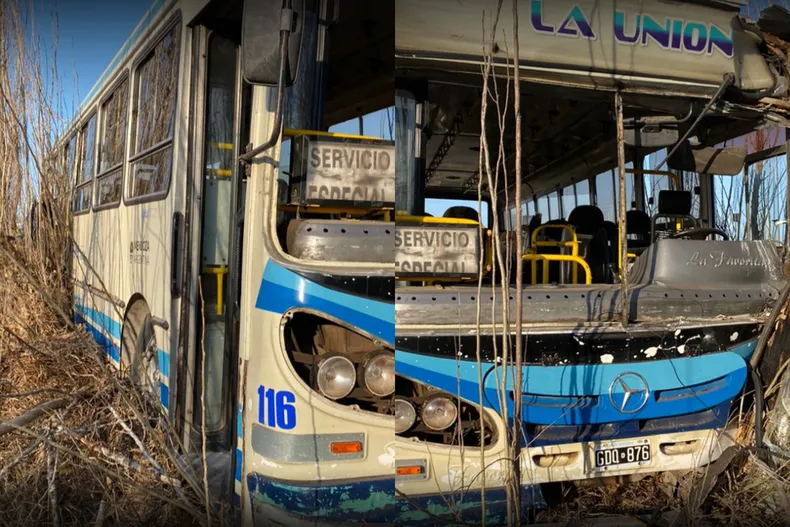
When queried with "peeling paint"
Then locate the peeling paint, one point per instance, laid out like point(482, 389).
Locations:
point(682, 349)
point(734, 337)
point(607, 358)
point(388, 459)
point(651, 351)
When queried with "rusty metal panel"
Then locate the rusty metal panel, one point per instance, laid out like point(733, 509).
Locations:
point(342, 172)
point(440, 251)
point(341, 241)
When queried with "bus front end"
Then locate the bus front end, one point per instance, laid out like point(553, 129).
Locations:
point(317, 369)
point(634, 348)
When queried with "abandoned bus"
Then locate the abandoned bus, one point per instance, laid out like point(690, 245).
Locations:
point(270, 278)
point(602, 397)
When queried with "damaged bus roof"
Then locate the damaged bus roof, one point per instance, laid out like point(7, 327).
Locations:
point(572, 58)
point(633, 45)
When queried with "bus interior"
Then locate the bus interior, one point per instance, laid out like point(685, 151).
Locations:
point(570, 191)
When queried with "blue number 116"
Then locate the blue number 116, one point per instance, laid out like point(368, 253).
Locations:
point(276, 408)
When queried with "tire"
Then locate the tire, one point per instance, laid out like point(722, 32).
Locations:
point(139, 357)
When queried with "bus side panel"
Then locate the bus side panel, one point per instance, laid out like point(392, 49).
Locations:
point(287, 462)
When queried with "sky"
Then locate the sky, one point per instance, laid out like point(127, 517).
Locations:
point(90, 32)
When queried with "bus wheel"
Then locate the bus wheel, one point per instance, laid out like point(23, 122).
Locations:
point(145, 370)
point(139, 361)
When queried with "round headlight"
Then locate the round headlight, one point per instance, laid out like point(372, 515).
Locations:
point(439, 413)
point(378, 373)
point(405, 415)
point(336, 377)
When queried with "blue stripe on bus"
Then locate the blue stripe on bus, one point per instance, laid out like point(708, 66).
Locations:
point(580, 394)
point(104, 342)
point(465, 507)
point(106, 324)
point(239, 458)
point(239, 425)
point(374, 502)
point(163, 361)
point(164, 395)
point(282, 289)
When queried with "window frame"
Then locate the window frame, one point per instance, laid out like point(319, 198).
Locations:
point(79, 160)
point(124, 75)
point(129, 160)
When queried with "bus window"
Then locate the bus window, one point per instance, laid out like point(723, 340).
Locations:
point(568, 200)
point(691, 181)
point(752, 205)
point(112, 146)
point(85, 167)
point(69, 155)
point(376, 124)
point(605, 195)
point(554, 206)
point(583, 193)
point(437, 207)
point(653, 184)
point(543, 208)
point(155, 105)
point(630, 195)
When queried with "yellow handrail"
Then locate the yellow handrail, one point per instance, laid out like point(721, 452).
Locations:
point(431, 220)
point(220, 273)
point(573, 243)
point(293, 132)
point(547, 258)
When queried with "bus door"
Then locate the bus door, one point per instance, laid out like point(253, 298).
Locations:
point(210, 386)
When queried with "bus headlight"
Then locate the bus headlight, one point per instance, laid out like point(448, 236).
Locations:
point(336, 377)
point(378, 373)
point(405, 415)
point(439, 413)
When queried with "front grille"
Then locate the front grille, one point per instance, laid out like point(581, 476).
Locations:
point(546, 435)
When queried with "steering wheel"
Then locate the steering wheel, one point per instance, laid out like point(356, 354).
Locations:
point(699, 234)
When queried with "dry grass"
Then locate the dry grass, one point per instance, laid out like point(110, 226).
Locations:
point(98, 454)
point(100, 470)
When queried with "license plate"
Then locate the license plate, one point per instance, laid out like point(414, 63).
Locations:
point(624, 455)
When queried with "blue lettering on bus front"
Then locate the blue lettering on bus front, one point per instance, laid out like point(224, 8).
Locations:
point(674, 34)
point(276, 408)
point(574, 24)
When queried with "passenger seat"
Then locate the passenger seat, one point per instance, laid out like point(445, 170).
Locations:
point(462, 212)
point(638, 226)
point(673, 205)
point(589, 220)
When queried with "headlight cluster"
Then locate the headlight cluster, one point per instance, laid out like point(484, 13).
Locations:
point(337, 376)
point(437, 413)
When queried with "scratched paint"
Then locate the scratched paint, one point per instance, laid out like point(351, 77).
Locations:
point(349, 502)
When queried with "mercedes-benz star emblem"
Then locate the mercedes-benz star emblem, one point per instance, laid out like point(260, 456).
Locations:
point(634, 389)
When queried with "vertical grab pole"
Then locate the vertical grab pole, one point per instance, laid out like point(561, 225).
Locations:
point(622, 253)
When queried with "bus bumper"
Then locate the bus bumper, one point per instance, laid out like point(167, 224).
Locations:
point(275, 502)
point(466, 508)
point(449, 471)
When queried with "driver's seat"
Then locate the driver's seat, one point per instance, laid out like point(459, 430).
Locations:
point(673, 205)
